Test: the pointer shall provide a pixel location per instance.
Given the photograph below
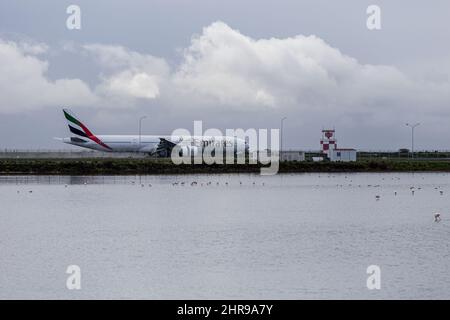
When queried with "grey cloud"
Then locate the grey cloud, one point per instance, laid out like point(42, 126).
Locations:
point(24, 85)
point(232, 79)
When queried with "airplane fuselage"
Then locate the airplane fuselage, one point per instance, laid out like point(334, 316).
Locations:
point(149, 143)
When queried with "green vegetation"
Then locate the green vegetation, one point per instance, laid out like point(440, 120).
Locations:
point(165, 166)
point(403, 154)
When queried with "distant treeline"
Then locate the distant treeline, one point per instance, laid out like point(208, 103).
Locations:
point(165, 166)
point(402, 154)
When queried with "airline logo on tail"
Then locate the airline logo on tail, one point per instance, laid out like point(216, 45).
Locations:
point(78, 128)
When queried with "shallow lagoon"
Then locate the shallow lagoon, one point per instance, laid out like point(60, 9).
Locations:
point(225, 236)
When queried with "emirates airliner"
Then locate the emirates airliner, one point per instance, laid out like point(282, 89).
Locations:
point(151, 144)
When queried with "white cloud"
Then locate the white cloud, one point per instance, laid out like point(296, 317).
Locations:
point(128, 83)
point(128, 74)
point(125, 77)
point(224, 66)
point(223, 69)
point(24, 86)
point(33, 48)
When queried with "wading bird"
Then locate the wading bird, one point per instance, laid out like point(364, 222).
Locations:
point(437, 217)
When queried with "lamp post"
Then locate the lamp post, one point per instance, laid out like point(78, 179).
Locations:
point(412, 126)
point(140, 126)
point(281, 135)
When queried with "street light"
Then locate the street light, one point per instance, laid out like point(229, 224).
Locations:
point(140, 126)
point(412, 126)
point(281, 135)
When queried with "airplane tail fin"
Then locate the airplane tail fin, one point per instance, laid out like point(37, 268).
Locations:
point(77, 128)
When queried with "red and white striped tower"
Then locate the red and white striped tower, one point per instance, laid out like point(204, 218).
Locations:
point(328, 141)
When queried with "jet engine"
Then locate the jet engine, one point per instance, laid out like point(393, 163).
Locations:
point(189, 151)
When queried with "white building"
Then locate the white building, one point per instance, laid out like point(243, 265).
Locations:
point(329, 147)
point(342, 155)
point(292, 156)
point(289, 155)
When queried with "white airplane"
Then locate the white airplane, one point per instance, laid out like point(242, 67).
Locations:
point(159, 145)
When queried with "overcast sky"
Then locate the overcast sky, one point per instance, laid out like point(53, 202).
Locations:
point(232, 64)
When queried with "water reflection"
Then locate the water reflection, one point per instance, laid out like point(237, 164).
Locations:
point(226, 236)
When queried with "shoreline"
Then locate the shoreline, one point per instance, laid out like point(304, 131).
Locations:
point(105, 166)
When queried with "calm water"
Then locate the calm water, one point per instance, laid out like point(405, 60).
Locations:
point(286, 236)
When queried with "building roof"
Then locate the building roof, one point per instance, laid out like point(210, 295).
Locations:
point(344, 149)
